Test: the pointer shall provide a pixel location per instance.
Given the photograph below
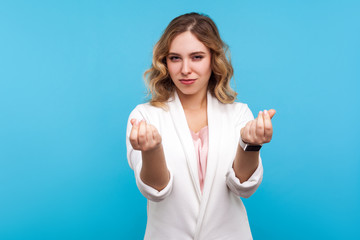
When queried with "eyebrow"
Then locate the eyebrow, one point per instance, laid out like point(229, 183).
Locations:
point(193, 53)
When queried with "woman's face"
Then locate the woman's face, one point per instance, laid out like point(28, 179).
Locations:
point(189, 64)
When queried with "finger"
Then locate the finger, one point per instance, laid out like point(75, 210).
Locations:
point(133, 137)
point(259, 131)
point(152, 129)
point(268, 126)
point(132, 121)
point(245, 132)
point(272, 113)
point(156, 135)
point(252, 132)
point(149, 135)
point(142, 133)
point(242, 133)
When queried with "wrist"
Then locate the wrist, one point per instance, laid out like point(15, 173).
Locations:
point(249, 147)
point(154, 150)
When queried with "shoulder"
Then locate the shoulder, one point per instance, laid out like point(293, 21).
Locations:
point(147, 107)
point(235, 108)
point(216, 103)
point(146, 111)
point(242, 112)
point(237, 111)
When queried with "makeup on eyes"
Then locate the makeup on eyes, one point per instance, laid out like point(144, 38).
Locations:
point(194, 57)
point(193, 54)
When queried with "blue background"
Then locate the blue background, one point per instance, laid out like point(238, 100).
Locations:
point(71, 72)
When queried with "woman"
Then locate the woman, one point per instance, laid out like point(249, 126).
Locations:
point(195, 151)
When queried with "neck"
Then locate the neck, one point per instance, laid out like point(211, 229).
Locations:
point(193, 102)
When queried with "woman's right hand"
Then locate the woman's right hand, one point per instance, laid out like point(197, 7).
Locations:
point(144, 137)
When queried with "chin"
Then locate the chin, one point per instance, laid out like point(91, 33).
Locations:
point(190, 93)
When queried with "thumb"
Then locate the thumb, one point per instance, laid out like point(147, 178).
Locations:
point(271, 112)
point(132, 121)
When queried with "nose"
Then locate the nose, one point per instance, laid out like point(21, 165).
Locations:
point(185, 68)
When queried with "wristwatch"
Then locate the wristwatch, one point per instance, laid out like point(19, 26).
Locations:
point(248, 147)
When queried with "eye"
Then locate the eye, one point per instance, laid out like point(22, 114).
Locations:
point(198, 57)
point(174, 58)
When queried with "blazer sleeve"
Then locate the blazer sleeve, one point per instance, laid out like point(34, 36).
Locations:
point(247, 188)
point(135, 161)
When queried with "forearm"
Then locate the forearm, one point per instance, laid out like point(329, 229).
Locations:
point(154, 171)
point(245, 164)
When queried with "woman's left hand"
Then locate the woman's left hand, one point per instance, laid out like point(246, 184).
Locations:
point(259, 130)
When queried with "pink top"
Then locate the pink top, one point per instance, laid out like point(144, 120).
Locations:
point(201, 144)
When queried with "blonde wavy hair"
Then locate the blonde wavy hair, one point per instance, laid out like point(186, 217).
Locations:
point(157, 77)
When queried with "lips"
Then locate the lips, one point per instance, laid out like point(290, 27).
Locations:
point(187, 81)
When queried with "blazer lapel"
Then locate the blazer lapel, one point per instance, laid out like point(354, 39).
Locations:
point(183, 132)
point(215, 126)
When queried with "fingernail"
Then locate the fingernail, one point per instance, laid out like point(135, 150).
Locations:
point(136, 122)
point(265, 112)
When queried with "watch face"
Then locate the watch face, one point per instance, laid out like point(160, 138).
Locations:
point(252, 148)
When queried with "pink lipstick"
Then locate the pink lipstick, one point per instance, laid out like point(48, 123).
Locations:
point(187, 81)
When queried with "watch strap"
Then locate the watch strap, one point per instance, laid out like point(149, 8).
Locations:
point(249, 147)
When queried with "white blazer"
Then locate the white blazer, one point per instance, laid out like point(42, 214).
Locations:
point(180, 211)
